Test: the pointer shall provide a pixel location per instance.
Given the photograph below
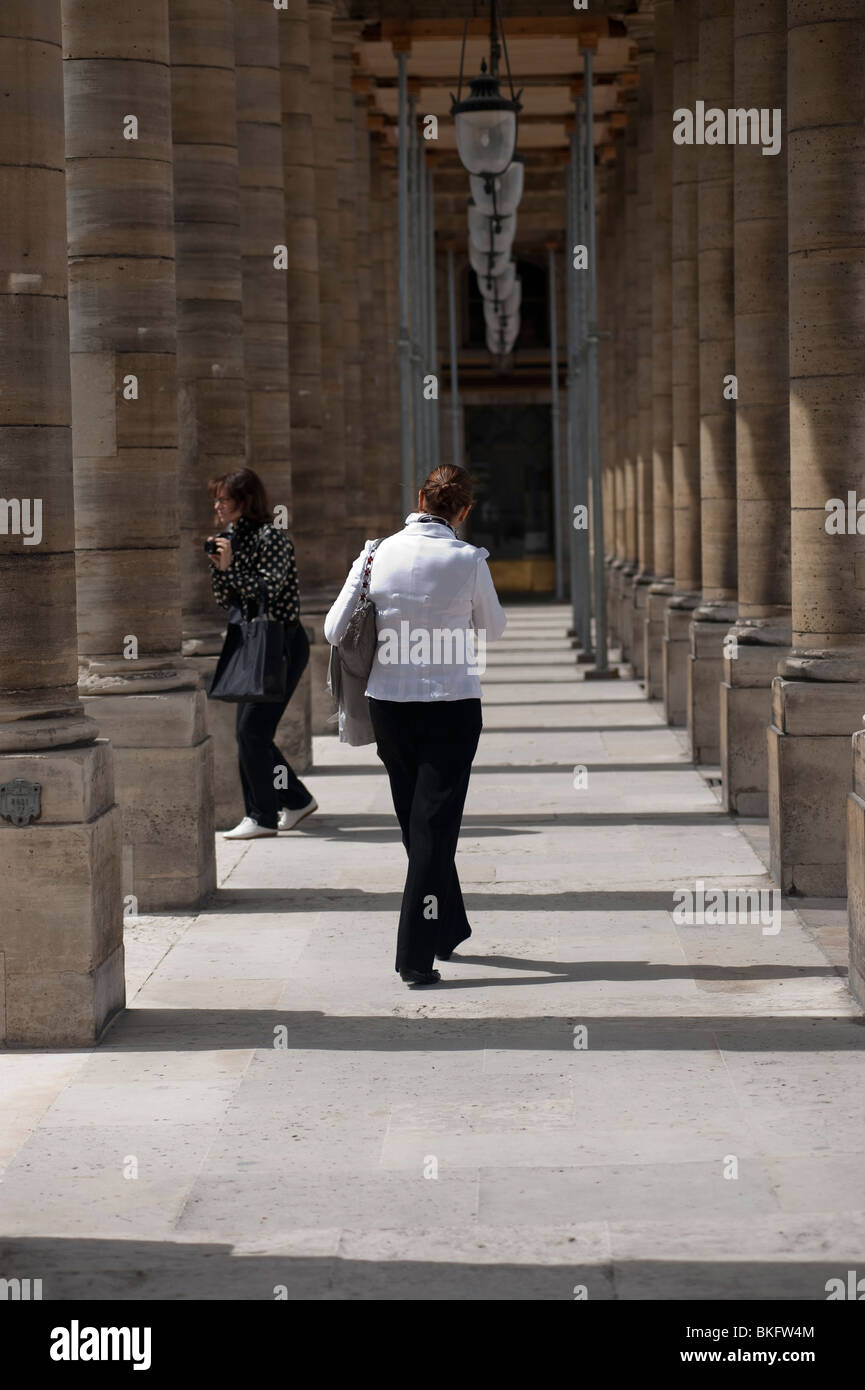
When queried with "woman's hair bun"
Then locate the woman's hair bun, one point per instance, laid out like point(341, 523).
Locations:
point(448, 489)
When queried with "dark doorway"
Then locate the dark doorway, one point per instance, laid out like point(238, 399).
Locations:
point(509, 453)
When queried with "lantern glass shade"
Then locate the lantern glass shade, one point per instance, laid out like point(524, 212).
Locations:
point(487, 267)
point(501, 194)
point(486, 138)
point(512, 301)
point(500, 342)
point(498, 314)
point(491, 233)
point(501, 287)
point(493, 319)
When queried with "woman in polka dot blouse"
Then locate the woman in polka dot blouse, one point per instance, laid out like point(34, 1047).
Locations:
point(253, 554)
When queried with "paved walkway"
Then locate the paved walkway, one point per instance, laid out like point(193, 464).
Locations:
point(277, 1111)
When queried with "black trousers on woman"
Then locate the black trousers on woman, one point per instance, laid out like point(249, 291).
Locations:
point(258, 756)
point(427, 747)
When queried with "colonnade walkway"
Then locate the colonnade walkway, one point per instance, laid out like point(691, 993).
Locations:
point(278, 1115)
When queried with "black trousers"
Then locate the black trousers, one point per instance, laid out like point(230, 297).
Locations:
point(258, 757)
point(427, 748)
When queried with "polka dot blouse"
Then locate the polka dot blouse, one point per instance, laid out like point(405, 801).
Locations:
point(261, 556)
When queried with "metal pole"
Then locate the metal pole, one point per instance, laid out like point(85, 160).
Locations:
point(404, 341)
point(593, 384)
point(456, 431)
point(581, 460)
point(424, 368)
point(570, 293)
point(576, 420)
point(432, 326)
point(554, 390)
point(415, 301)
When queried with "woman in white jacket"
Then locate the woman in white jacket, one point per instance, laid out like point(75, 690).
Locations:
point(436, 608)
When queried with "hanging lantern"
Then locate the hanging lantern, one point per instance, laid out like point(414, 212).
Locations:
point(501, 286)
point(486, 266)
point(485, 121)
point(494, 317)
point(513, 300)
point(491, 233)
point(499, 196)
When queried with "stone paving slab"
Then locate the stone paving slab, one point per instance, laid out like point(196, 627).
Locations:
point(299, 1121)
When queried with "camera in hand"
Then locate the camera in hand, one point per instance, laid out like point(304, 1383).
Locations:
point(211, 548)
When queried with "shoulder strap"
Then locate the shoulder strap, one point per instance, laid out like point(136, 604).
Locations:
point(364, 584)
point(264, 592)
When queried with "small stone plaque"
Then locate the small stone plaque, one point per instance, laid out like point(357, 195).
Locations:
point(20, 801)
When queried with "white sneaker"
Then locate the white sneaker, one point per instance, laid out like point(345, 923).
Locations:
point(248, 829)
point(289, 819)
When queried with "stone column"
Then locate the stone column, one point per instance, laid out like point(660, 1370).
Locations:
point(819, 699)
point(264, 265)
point(124, 435)
point(662, 390)
point(762, 634)
point(318, 515)
point(645, 272)
point(330, 480)
point(328, 167)
point(712, 618)
point(685, 377)
point(211, 388)
point(212, 423)
point(61, 927)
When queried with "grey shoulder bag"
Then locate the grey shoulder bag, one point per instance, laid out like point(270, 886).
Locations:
point(358, 644)
point(350, 665)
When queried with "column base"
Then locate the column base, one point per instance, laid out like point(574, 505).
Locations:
point(612, 602)
point(677, 649)
point(653, 638)
point(746, 713)
point(626, 611)
point(639, 612)
point(61, 929)
point(809, 776)
point(163, 769)
point(709, 627)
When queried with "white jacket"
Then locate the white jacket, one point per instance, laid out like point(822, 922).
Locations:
point(436, 608)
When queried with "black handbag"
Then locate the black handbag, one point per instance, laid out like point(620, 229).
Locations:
point(253, 664)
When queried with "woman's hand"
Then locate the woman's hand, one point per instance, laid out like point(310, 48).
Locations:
point(222, 558)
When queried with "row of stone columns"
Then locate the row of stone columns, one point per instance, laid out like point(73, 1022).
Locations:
point(226, 300)
point(62, 929)
point(757, 419)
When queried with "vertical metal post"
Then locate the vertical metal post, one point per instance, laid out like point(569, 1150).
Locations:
point(456, 422)
point(415, 299)
point(581, 452)
point(432, 326)
point(570, 291)
point(422, 326)
point(593, 383)
point(405, 392)
point(554, 397)
point(578, 490)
